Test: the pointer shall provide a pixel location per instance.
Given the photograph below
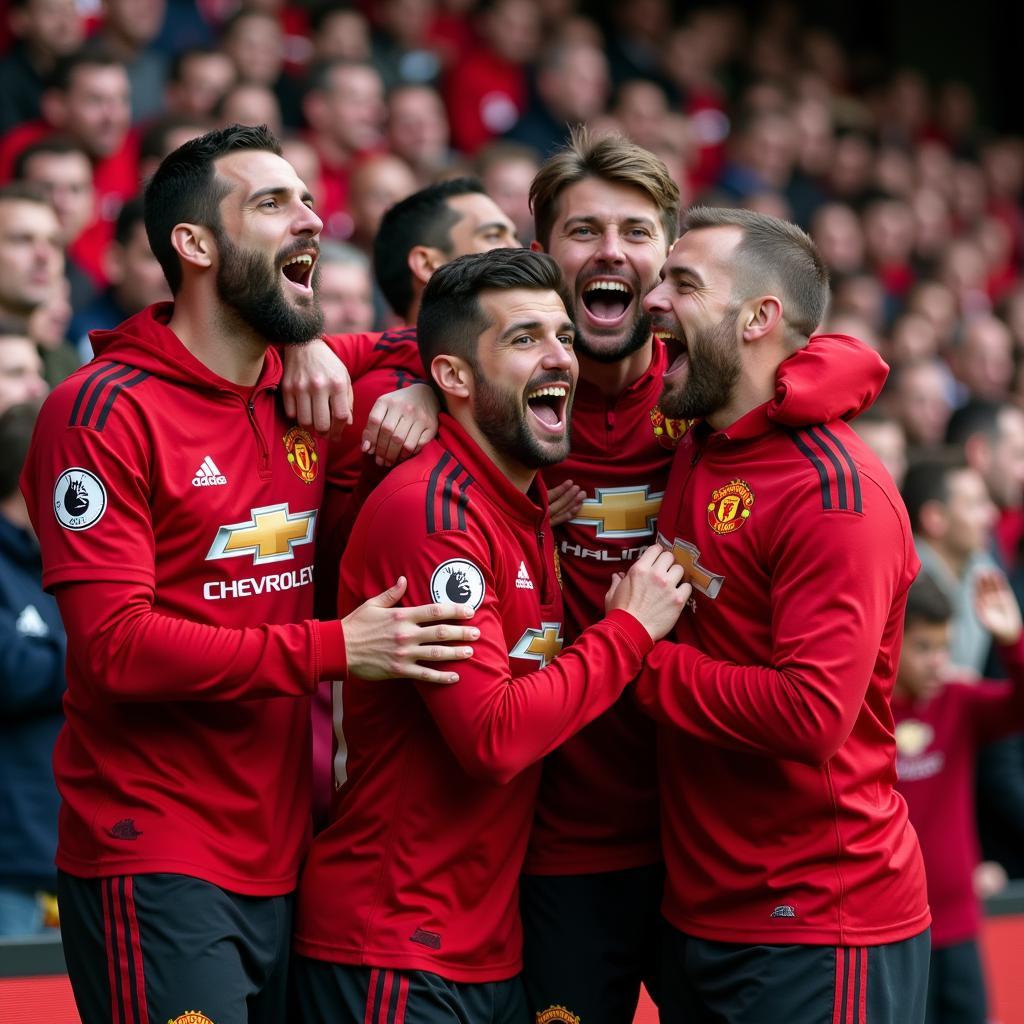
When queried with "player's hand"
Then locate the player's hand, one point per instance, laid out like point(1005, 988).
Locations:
point(652, 591)
point(385, 642)
point(996, 607)
point(316, 387)
point(989, 878)
point(564, 502)
point(401, 423)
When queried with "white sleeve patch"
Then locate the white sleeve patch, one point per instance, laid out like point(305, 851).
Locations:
point(458, 581)
point(79, 499)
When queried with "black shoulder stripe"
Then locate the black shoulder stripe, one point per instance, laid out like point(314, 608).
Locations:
point(106, 384)
point(858, 504)
point(138, 378)
point(464, 486)
point(836, 465)
point(435, 475)
point(447, 505)
point(819, 466)
point(395, 337)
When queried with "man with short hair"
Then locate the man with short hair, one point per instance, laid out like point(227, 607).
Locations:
point(176, 506)
point(31, 256)
point(346, 289)
point(21, 367)
point(409, 897)
point(802, 886)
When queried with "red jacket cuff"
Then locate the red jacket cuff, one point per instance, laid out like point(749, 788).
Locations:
point(638, 637)
point(333, 663)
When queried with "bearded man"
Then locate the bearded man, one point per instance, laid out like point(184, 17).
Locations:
point(176, 506)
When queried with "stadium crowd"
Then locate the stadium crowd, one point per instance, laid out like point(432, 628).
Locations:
point(917, 210)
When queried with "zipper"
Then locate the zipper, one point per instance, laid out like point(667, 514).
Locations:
point(261, 441)
point(547, 571)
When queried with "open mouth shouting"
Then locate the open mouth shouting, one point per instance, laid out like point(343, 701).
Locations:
point(677, 348)
point(608, 302)
point(298, 267)
point(548, 406)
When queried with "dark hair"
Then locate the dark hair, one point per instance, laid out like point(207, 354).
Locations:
point(324, 10)
point(978, 416)
point(153, 141)
point(927, 480)
point(185, 188)
point(55, 145)
point(927, 602)
point(16, 425)
point(424, 218)
point(182, 57)
point(24, 192)
point(611, 158)
point(451, 318)
point(88, 57)
point(776, 255)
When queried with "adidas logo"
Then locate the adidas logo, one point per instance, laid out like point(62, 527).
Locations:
point(30, 622)
point(523, 581)
point(208, 475)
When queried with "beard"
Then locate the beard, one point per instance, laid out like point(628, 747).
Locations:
point(631, 343)
point(710, 377)
point(501, 417)
point(250, 285)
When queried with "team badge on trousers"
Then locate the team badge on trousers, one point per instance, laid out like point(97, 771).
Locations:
point(191, 1017)
point(556, 1015)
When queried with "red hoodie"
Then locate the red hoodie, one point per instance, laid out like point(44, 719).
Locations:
point(176, 513)
point(777, 757)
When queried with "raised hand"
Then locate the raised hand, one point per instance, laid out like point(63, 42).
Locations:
point(652, 591)
point(996, 607)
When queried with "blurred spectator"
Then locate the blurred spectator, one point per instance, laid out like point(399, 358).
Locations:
point(378, 182)
point(128, 30)
point(346, 288)
point(48, 327)
point(886, 438)
point(863, 295)
point(837, 232)
point(937, 303)
point(913, 337)
point(163, 136)
point(31, 258)
point(136, 280)
point(63, 171)
point(571, 88)
point(32, 686)
point(401, 50)
point(889, 241)
point(345, 111)
point(197, 80)
point(641, 109)
point(634, 42)
point(21, 368)
point(991, 435)
point(339, 32)
point(920, 396)
point(940, 726)
point(44, 30)
point(849, 178)
point(417, 131)
point(964, 270)
point(302, 156)
point(952, 518)
point(487, 90)
point(250, 103)
point(983, 361)
point(507, 170)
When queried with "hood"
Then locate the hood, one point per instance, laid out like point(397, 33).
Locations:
point(147, 343)
point(835, 377)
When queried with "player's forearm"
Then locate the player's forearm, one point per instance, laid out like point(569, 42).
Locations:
point(497, 726)
point(129, 652)
point(788, 714)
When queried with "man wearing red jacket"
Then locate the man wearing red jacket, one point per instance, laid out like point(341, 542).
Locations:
point(795, 887)
point(176, 507)
point(408, 903)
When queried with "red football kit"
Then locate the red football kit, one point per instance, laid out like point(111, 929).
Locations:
point(176, 513)
point(598, 805)
point(780, 823)
point(937, 743)
point(419, 869)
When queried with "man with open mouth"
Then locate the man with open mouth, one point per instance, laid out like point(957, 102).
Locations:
point(408, 905)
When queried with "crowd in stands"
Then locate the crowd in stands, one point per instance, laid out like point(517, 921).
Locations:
point(915, 206)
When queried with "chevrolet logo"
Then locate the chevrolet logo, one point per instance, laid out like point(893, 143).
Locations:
point(688, 556)
point(270, 536)
point(621, 511)
point(543, 645)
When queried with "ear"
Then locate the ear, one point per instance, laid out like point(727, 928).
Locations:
point(452, 375)
point(760, 317)
point(423, 260)
point(194, 244)
point(54, 108)
point(933, 519)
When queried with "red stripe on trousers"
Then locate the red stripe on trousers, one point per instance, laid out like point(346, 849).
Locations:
point(403, 997)
point(108, 935)
point(862, 1010)
point(385, 997)
point(850, 981)
point(122, 952)
point(370, 992)
point(135, 937)
point(837, 1001)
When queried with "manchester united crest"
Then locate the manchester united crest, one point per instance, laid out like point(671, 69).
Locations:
point(191, 1017)
point(729, 507)
point(302, 457)
point(668, 432)
point(556, 1015)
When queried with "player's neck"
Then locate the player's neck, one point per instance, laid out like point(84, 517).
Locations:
point(611, 379)
point(220, 340)
point(520, 476)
